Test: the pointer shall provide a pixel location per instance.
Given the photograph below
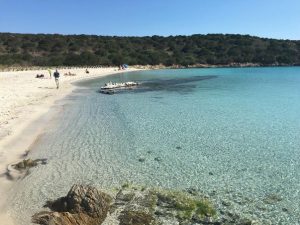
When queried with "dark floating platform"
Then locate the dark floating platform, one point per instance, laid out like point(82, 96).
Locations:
point(107, 92)
point(181, 85)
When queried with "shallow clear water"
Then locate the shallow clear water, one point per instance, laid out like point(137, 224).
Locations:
point(234, 136)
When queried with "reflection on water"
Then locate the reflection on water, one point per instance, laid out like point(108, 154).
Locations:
point(178, 85)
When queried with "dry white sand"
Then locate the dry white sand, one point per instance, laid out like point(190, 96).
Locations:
point(24, 101)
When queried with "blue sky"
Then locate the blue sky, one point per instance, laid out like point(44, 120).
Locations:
point(264, 18)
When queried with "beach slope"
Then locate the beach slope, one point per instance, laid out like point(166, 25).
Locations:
point(24, 103)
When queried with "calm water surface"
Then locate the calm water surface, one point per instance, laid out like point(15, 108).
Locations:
point(233, 134)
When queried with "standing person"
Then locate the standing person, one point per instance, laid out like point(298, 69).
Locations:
point(49, 71)
point(56, 77)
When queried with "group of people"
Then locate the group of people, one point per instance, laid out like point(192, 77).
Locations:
point(123, 67)
point(55, 74)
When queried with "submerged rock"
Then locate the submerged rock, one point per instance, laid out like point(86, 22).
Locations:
point(272, 199)
point(124, 196)
point(226, 203)
point(83, 205)
point(157, 159)
point(141, 159)
point(130, 217)
point(285, 210)
point(28, 163)
point(21, 169)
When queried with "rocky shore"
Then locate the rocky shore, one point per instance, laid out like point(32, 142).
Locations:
point(132, 205)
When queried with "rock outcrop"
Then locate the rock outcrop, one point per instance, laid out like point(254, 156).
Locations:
point(134, 205)
point(21, 169)
point(83, 205)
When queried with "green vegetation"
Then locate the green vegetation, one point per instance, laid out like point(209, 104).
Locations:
point(186, 205)
point(75, 50)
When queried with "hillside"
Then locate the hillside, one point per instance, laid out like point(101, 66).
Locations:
point(213, 49)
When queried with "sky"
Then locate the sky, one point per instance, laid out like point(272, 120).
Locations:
point(264, 18)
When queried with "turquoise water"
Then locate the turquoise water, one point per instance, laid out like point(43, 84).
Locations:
point(234, 137)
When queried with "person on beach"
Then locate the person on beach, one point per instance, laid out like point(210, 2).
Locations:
point(49, 71)
point(56, 77)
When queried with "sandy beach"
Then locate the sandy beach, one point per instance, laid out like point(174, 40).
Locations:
point(24, 103)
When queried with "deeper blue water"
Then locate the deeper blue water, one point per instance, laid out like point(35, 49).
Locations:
point(234, 136)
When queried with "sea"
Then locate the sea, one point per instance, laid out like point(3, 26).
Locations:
point(232, 134)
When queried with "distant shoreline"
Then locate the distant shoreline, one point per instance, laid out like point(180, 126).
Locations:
point(233, 65)
point(183, 50)
point(159, 66)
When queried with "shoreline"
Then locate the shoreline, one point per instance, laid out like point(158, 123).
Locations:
point(147, 67)
point(28, 110)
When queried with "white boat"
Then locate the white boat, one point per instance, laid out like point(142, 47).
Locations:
point(111, 85)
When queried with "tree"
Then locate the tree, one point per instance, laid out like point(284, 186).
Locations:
point(47, 49)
